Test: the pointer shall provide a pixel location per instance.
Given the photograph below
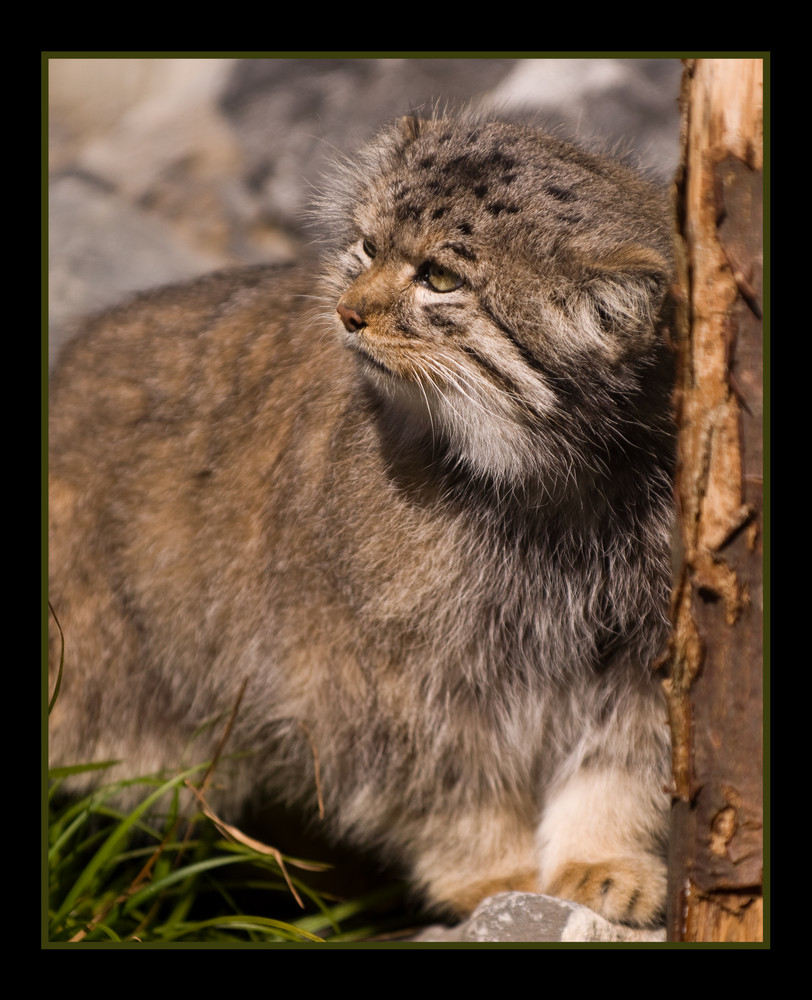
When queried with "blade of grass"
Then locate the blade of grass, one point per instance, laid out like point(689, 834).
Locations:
point(64, 772)
point(341, 912)
point(239, 922)
point(78, 813)
point(58, 684)
point(109, 847)
point(143, 895)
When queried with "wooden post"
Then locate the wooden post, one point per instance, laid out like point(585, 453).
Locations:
point(715, 689)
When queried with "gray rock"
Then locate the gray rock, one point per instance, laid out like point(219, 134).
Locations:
point(527, 917)
point(101, 249)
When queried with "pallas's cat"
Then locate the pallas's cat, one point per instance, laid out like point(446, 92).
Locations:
point(421, 501)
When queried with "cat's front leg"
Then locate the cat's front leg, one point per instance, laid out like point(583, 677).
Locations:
point(463, 859)
point(601, 842)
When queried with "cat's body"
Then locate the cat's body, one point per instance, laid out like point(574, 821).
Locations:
point(438, 551)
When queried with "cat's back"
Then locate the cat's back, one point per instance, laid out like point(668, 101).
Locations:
point(182, 355)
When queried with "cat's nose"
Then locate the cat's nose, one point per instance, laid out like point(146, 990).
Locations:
point(350, 318)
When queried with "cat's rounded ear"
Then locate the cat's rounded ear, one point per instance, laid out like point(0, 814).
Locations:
point(407, 128)
point(626, 290)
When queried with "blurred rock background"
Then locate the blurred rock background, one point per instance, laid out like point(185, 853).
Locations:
point(161, 169)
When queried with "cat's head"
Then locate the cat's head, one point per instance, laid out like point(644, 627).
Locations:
point(504, 289)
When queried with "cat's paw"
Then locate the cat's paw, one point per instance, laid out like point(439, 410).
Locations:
point(624, 890)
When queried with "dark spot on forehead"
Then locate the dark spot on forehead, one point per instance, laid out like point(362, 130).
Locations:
point(409, 210)
point(477, 171)
point(439, 187)
point(467, 169)
point(497, 207)
point(461, 250)
point(496, 158)
point(439, 212)
point(465, 227)
point(560, 194)
point(571, 218)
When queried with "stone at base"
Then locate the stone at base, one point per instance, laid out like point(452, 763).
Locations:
point(529, 917)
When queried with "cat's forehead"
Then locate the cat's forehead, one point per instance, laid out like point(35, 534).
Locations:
point(446, 185)
point(449, 163)
point(468, 157)
point(509, 188)
point(490, 156)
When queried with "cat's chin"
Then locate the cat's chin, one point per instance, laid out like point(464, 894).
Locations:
point(374, 367)
point(491, 447)
point(406, 405)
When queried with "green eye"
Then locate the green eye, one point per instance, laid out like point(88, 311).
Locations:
point(369, 248)
point(442, 279)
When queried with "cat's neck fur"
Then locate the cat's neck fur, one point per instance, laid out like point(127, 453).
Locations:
point(523, 531)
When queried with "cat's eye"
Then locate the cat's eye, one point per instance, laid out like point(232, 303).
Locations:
point(442, 279)
point(370, 249)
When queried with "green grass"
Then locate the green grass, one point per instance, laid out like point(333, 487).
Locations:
point(152, 875)
point(169, 870)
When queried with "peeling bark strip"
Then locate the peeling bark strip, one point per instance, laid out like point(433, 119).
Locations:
point(715, 686)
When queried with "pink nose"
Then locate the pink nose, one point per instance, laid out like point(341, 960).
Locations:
point(350, 318)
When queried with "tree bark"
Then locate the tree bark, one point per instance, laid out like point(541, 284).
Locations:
point(715, 684)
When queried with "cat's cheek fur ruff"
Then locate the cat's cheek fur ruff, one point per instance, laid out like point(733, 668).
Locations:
point(447, 400)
